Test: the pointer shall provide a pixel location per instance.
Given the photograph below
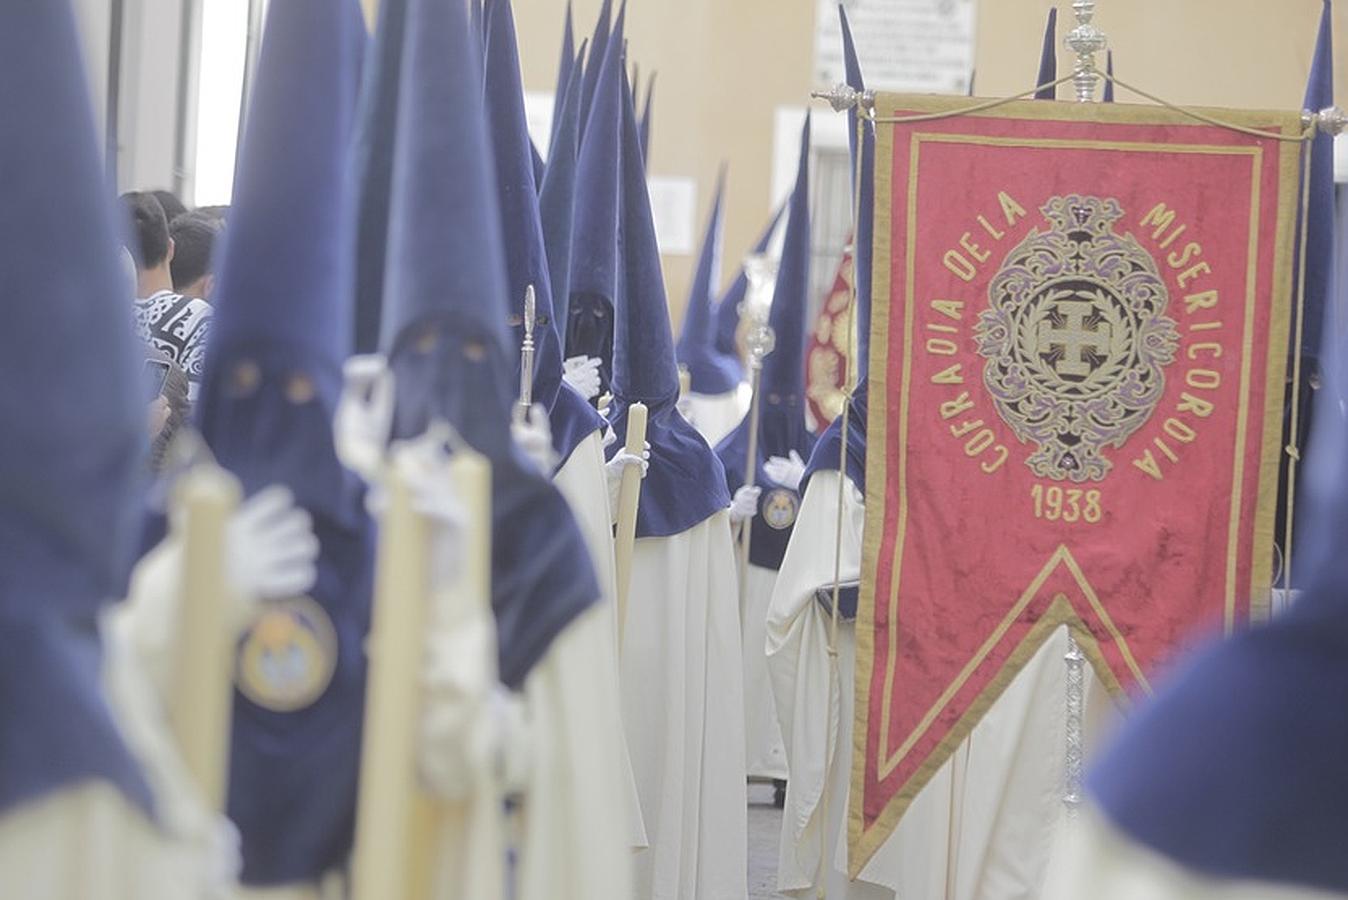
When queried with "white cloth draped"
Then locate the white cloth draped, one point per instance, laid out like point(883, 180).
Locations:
point(575, 834)
point(716, 415)
point(1096, 860)
point(86, 840)
point(583, 481)
point(765, 753)
point(983, 827)
point(683, 708)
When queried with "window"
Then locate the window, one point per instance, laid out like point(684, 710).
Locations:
point(226, 38)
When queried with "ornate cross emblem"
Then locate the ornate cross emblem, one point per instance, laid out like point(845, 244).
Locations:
point(1077, 339)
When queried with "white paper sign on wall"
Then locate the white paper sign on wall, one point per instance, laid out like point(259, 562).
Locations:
point(674, 204)
point(919, 46)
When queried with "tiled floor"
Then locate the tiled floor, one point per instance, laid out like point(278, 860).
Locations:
point(765, 825)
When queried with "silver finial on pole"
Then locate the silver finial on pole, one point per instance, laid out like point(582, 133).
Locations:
point(527, 351)
point(843, 97)
point(1332, 121)
point(1085, 41)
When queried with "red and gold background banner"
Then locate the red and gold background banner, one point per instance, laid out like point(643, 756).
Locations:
point(1078, 347)
point(830, 352)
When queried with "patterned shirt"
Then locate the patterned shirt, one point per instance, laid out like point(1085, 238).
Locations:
point(179, 327)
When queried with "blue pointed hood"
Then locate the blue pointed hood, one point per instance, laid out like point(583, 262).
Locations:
point(728, 310)
point(1235, 768)
point(712, 372)
point(270, 391)
point(1232, 716)
point(684, 486)
point(284, 273)
point(73, 440)
point(372, 169)
point(1048, 58)
point(557, 197)
point(1319, 253)
point(781, 424)
point(446, 339)
point(1109, 82)
point(646, 121)
point(827, 453)
point(599, 51)
point(477, 19)
point(565, 66)
point(360, 27)
point(594, 248)
point(522, 235)
point(863, 240)
point(784, 368)
point(1319, 260)
point(828, 450)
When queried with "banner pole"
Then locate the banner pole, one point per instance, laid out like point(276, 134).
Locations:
point(1086, 40)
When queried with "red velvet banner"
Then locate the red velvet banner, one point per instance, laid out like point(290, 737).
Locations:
point(1078, 349)
point(830, 352)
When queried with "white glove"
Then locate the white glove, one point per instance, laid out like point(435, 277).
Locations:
point(582, 373)
point(458, 740)
point(614, 469)
point(789, 472)
point(364, 416)
point(435, 497)
point(533, 434)
point(745, 504)
point(224, 860)
point(271, 552)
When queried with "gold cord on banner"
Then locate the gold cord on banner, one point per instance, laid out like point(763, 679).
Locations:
point(849, 386)
point(1331, 121)
point(1306, 135)
point(1293, 449)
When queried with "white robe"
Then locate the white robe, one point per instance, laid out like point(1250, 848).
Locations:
point(683, 710)
point(983, 827)
point(576, 833)
point(716, 415)
point(1095, 860)
point(561, 740)
point(583, 481)
point(765, 753)
point(86, 840)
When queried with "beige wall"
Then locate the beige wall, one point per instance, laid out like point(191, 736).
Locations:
point(726, 65)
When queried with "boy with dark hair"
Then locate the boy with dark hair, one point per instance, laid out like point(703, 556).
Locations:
point(149, 224)
point(193, 235)
point(169, 322)
point(169, 202)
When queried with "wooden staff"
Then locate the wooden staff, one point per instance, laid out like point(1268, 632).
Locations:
point(401, 832)
point(202, 696)
point(382, 864)
point(629, 499)
point(471, 836)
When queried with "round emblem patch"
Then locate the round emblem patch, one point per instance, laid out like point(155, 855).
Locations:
point(1077, 338)
point(287, 658)
point(779, 509)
